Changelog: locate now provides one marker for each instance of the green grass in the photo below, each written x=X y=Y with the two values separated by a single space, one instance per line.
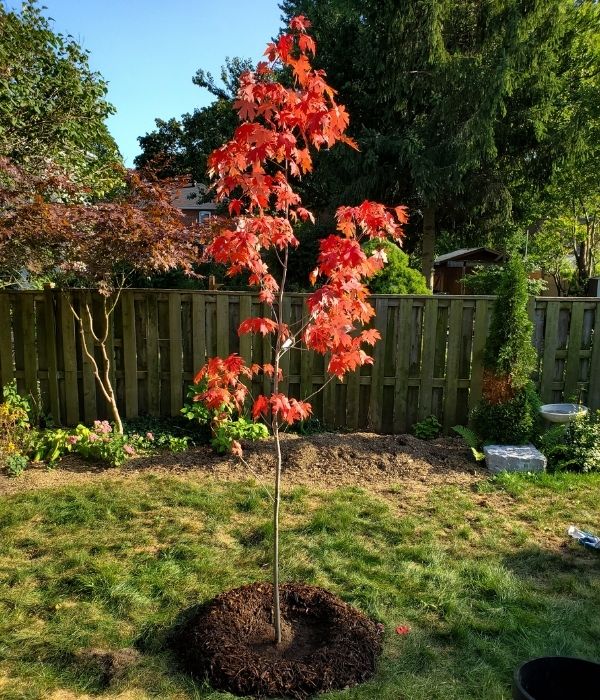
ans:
x=479 y=575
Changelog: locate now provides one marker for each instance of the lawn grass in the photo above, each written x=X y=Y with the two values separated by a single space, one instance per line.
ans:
x=477 y=573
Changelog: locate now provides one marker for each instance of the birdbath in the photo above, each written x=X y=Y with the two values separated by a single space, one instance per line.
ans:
x=563 y=412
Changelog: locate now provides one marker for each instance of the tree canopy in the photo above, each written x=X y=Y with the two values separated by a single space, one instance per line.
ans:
x=457 y=106
x=53 y=107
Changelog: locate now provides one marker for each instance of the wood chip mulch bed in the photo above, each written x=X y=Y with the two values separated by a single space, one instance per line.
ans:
x=326 y=643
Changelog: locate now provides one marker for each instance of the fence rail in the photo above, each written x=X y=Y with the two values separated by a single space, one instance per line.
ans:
x=429 y=360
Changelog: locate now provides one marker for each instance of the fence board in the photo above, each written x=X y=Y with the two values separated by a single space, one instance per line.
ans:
x=29 y=343
x=454 y=347
x=550 y=345
x=51 y=355
x=152 y=356
x=428 y=354
x=129 y=354
x=7 y=371
x=175 y=354
x=67 y=331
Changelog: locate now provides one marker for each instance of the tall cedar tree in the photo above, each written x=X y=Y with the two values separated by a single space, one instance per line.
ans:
x=273 y=146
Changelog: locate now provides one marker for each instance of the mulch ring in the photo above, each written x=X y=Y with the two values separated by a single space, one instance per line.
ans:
x=326 y=643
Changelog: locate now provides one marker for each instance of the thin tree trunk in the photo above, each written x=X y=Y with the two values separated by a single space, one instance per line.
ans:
x=276 y=502
x=102 y=379
x=428 y=245
x=275 y=424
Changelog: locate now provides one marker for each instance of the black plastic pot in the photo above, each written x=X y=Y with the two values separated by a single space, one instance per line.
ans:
x=557 y=678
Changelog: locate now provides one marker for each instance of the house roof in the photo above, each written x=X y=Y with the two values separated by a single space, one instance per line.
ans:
x=191 y=197
x=483 y=254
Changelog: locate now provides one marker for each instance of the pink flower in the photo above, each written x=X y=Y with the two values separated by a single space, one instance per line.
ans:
x=102 y=427
x=149 y=436
x=128 y=449
x=402 y=629
x=73 y=439
x=92 y=437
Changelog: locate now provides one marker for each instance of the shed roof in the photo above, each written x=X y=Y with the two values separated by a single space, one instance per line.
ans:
x=483 y=254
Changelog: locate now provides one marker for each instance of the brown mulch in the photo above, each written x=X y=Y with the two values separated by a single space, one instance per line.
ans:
x=322 y=460
x=326 y=643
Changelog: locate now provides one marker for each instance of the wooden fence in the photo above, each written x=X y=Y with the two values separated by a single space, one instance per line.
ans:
x=429 y=360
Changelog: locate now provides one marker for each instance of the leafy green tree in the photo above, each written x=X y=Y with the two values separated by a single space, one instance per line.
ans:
x=574 y=193
x=52 y=106
x=397 y=277
x=454 y=100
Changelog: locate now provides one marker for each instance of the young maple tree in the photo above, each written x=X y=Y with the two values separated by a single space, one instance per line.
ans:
x=272 y=147
x=48 y=228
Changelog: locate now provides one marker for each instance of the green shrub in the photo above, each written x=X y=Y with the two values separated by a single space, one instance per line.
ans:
x=15 y=464
x=574 y=447
x=427 y=429
x=240 y=429
x=396 y=277
x=472 y=439
x=195 y=410
x=508 y=422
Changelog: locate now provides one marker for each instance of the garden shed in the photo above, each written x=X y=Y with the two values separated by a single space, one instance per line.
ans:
x=450 y=269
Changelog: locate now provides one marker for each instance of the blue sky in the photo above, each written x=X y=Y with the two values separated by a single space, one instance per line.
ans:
x=149 y=50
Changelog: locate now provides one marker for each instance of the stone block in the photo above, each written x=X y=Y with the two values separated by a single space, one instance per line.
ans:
x=514 y=458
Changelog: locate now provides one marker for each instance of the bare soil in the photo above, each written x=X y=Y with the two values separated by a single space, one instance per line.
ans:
x=322 y=460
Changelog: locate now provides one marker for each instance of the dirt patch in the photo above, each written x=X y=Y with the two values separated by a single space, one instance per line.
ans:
x=326 y=643
x=322 y=460
x=110 y=665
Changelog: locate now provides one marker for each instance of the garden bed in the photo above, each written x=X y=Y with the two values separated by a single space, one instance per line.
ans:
x=322 y=459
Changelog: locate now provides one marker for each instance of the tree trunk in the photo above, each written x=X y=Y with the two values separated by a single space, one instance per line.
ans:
x=428 y=245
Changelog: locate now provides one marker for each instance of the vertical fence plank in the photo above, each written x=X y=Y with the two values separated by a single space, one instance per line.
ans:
x=152 y=356
x=428 y=354
x=51 y=355
x=452 y=364
x=7 y=371
x=479 y=336
x=222 y=325
x=129 y=354
x=67 y=331
x=402 y=343
x=246 y=339
x=29 y=343
x=377 y=372
x=199 y=330
x=570 y=389
x=175 y=354
x=593 y=397
x=550 y=345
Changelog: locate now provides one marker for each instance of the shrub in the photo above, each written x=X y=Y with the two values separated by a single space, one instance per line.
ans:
x=396 y=277
x=15 y=464
x=15 y=429
x=235 y=430
x=225 y=428
x=575 y=446
x=427 y=429
x=513 y=421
